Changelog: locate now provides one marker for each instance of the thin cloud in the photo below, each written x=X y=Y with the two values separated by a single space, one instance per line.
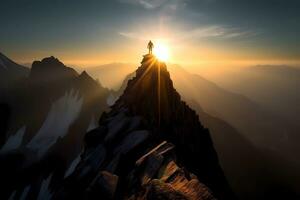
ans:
x=152 y=4
x=197 y=33
x=148 y=4
x=132 y=35
x=216 y=32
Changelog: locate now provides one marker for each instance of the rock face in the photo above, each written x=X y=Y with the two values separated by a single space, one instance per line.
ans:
x=151 y=145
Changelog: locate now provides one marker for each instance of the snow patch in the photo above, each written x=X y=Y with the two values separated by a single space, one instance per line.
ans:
x=111 y=99
x=14 y=141
x=72 y=166
x=2 y=64
x=93 y=124
x=45 y=193
x=61 y=115
x=12 y=196
x=25 y=193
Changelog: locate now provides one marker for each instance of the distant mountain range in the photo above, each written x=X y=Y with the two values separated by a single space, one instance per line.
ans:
x=104 y=73
x=274 y=87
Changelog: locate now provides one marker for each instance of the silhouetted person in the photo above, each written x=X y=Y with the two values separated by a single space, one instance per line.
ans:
x=150 y=46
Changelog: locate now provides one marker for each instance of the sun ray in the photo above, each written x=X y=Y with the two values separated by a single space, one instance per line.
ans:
x=161 y=51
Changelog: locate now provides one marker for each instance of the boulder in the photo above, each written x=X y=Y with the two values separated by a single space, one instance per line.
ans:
x=116 y=128
x=95 y=158
x=113 y=164
x=160 y=149
x=168 y=171
x=135 y=123
x=131 y=141
x=152 y=166
x=158 y=190
x=104 y=186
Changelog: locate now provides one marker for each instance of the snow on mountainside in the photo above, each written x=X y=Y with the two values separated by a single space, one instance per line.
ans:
x=62 y=114
x=10 y=71
x=14 y=141
x=2 y=64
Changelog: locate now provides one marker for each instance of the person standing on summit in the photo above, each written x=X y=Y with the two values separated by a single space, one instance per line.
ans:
x=150 y=46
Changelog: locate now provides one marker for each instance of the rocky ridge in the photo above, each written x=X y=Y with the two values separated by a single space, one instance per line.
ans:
x=151 y=145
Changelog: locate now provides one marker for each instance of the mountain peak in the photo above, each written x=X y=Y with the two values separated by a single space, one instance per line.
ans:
x=48 y=62
x=85 y=75
x=86 y=80
x=151 y=94
x=50 y=68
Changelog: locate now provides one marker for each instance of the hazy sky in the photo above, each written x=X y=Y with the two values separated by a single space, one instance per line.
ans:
x=88 y=32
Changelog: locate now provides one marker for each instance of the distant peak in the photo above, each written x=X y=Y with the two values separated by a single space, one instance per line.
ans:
x=84 y=73
x=86 y=76
x=49 y=61
x=7 y=63
x=151 y=91
x=50 y=68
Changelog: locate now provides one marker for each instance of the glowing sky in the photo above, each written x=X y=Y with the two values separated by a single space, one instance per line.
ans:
x=91 y=32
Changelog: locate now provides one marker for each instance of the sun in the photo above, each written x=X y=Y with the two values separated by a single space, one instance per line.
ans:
x=161 y=51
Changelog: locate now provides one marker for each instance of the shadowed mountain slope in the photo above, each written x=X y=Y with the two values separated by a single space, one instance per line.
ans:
x=250 y=146
x=47 y=115
x=10 y=71
x=148 y=130
x=274 y=87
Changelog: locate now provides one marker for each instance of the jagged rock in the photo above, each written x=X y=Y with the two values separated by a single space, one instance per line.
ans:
x=95 y=136
x=152 y=165
x=102 y=118
x=160 y=149
x=114 y=163
x=114 y=116
x=192 y=189
x=135 y=123
x=169 y=170
x=158 y=190
x=121 y=124
x=91 y=162
x=116 y=127
x=131 y=141
x=104 y=186
x=174 y=184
